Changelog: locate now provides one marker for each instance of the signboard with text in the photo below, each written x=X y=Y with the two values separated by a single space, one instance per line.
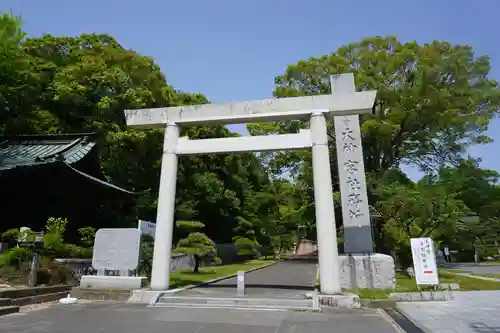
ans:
x=147 y=228
x=424 y=261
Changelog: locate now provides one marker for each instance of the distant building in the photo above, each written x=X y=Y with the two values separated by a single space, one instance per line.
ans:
x=44 y=176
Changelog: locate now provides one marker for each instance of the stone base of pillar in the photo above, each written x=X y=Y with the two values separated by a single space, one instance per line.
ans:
x=343 y=301
x=373 y=270
x=112 y=282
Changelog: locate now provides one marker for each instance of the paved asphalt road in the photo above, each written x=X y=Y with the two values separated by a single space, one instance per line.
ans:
x=286 y=279
x=111 y=317
x=481 y=268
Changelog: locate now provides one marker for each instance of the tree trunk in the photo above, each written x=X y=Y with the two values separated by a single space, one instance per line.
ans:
x=196 y=263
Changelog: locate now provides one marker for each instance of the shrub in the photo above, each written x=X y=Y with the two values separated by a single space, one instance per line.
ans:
x=87 y=236
x=78 y=252
x=15 y=257
x=11 y=236
x=146 y=256
x=54 y=236
x=246 y=248
x=199 y=245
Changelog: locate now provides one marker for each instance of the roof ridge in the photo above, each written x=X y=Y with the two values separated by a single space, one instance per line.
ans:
x=63 y=148
x=47 y=135
x=105 y=183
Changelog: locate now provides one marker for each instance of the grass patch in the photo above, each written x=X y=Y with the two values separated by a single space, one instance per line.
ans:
x=188 y=277
x=368 y=293
x=406 y=283
x=452 y=270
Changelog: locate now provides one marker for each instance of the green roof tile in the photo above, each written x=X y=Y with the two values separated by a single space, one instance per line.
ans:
x=28 y=150
x=32 y=150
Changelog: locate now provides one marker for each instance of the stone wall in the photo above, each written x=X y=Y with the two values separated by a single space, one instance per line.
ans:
x=181 y=261
x=81 y=267
x=227 y=253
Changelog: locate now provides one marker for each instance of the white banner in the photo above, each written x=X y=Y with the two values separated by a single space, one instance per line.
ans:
x=147 y=228
x=424 y=261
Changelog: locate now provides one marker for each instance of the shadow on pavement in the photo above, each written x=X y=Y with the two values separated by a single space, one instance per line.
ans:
x=262 y=286
x=307 y=260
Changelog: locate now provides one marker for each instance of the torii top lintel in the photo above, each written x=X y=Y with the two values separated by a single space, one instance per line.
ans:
x=254 y=111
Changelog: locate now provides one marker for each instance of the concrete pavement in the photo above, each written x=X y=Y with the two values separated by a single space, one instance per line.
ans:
x=469 y=312
x=288 y=279
x=113 y=317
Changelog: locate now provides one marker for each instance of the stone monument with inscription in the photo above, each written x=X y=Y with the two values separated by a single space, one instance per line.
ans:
x=359 y=266
x=115 y=250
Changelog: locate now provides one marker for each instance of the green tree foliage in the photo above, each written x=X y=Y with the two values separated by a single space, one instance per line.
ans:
x=424 y=210
x=196 y=243
x=87 y=236
x=476 y=187
x=246 y=248
x=83 y=84
x=16 y=89
x=436 y=100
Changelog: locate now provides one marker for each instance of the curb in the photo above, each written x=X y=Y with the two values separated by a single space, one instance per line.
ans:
x=413 y=321
x=391 y=321
x=6 y=310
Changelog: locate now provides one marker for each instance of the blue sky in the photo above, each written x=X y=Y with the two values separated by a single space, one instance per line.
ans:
x=232 y=50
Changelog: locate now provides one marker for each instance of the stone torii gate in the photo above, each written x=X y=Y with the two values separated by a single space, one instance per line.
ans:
x=314 y=108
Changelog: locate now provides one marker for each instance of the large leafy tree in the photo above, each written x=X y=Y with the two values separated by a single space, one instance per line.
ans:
x=475 y=186
x=436 y=100
x=16 y=77
x=83 y=84
x=423 y=210
x=478 y=189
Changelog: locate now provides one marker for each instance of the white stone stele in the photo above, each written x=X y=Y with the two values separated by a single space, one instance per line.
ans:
x=115 y=249
x=112 y=282
x=373 y=270
x=306 y=107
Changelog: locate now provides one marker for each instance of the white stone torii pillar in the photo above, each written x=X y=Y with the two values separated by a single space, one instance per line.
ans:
x=312 y=108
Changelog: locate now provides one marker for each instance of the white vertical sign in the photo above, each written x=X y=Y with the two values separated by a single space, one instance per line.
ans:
x=240 y=283
x=355 y=209
x=424 y=261
x=147 y=228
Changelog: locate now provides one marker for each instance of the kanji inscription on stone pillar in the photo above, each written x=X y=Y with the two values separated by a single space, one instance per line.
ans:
x=355 y=209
